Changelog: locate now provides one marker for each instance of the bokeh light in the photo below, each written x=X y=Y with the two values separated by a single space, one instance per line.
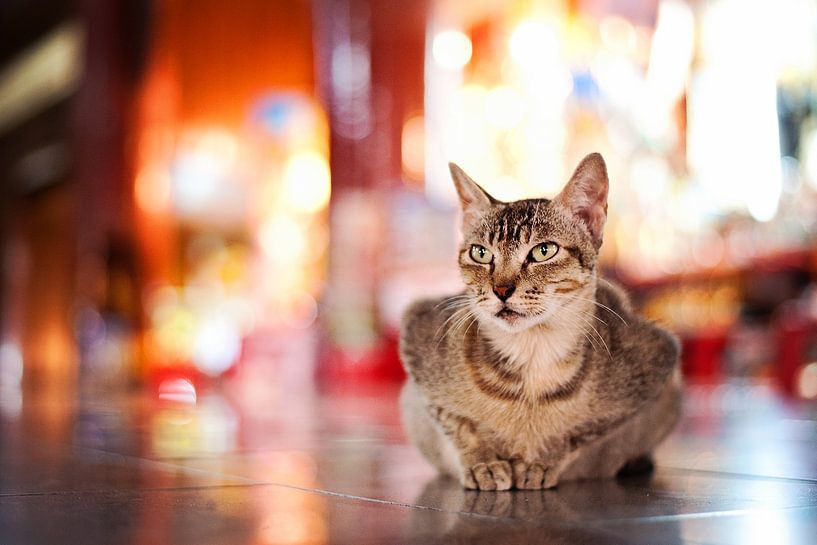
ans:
x=177 y=390
x=451 y=49
x=807 y=381
x=307 y=182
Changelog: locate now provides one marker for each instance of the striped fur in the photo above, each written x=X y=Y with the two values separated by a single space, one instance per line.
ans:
x=559 y=379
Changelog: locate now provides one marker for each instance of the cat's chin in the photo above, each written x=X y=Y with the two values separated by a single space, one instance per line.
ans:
x=511 y=321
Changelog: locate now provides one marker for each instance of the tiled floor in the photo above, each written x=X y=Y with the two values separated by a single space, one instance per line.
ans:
x=334 y=468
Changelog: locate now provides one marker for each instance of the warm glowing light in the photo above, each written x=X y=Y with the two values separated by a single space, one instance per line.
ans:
x=807 y=381
x=152 y=188
x=173 y=332
x=504 y=107
x=218 y=143
x=283 y=240
x=451 y=49
x=534 y=44
x=413 y=146
x=174 y=429
x=178 y=390
x=301 y=311
x=293 y=526
x=43 y=74
x=307 y=182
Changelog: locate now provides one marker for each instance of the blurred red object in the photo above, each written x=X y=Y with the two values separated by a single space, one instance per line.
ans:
x=701 y=355
x=796 y=333
x=378 y=364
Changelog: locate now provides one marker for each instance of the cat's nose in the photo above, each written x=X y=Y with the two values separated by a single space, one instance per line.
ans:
x=504 y=291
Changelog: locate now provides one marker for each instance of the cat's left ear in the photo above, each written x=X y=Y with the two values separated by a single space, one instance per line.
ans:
x=475 y=201
x=585 y=195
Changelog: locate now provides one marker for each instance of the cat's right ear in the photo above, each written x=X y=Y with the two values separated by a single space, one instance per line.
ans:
x=474 y=200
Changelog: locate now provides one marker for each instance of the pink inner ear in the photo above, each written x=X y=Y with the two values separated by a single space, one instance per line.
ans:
x=588 y=201
x=593 y=216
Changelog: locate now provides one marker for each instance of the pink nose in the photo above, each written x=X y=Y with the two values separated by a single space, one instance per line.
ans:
x=504 y=291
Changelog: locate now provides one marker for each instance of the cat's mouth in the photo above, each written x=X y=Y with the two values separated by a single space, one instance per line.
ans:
x=509 y=315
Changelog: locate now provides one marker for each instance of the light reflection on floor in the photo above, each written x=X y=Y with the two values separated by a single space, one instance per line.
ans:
x=334 y=468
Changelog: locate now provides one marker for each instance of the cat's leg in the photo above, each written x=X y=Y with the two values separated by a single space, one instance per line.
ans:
x=426 y=434
x=481 y=467
x=452 y=443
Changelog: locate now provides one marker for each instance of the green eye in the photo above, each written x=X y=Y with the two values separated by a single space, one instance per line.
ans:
x=481 y=254
x=543 y=252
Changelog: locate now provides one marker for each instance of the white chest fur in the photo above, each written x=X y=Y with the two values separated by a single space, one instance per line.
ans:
x=545 y=355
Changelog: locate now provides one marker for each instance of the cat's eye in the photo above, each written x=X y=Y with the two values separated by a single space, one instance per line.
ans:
x=481 y=254
x=544 y=251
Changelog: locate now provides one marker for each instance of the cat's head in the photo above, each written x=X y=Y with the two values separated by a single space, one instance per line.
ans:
x=524 y=261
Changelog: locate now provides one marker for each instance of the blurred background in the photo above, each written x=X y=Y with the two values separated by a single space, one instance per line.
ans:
x=243 y=196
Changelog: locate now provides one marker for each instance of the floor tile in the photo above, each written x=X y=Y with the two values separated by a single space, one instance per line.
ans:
x=71 y=469
x=336 y=468
x=258 y=515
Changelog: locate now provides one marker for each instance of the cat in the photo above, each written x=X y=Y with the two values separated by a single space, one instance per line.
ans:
x=541 y=371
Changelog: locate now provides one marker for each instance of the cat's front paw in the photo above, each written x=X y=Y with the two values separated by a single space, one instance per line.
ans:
x=533 y=476
x=496 y=475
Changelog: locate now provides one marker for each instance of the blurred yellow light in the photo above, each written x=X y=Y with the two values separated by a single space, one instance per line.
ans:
x=293 y=525
x=307 y=182
x=504 y=107
x=471 y=98
x=283 y=240
x=413 y=146
x=451 y=49
x=175 y=430
x=534 y=44
x=174 y=333
x=219 y=143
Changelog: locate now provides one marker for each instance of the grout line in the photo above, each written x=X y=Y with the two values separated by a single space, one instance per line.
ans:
x=701 y=515
x=746 y=476
x=137 y=490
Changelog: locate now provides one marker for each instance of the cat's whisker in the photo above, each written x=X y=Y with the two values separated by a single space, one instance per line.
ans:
x=583 y=318
x=454 y=316
x=591 y=326
x=605 y=307
x=584 y=333
x=474 y=319
x=586 y=314
x=451 y=301
x=455 y=307
x=457 y=319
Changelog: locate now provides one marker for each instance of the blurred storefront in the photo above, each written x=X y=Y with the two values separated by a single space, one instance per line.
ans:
x=251 y=193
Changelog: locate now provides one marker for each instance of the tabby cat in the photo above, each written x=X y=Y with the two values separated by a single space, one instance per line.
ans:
x=540 y=371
